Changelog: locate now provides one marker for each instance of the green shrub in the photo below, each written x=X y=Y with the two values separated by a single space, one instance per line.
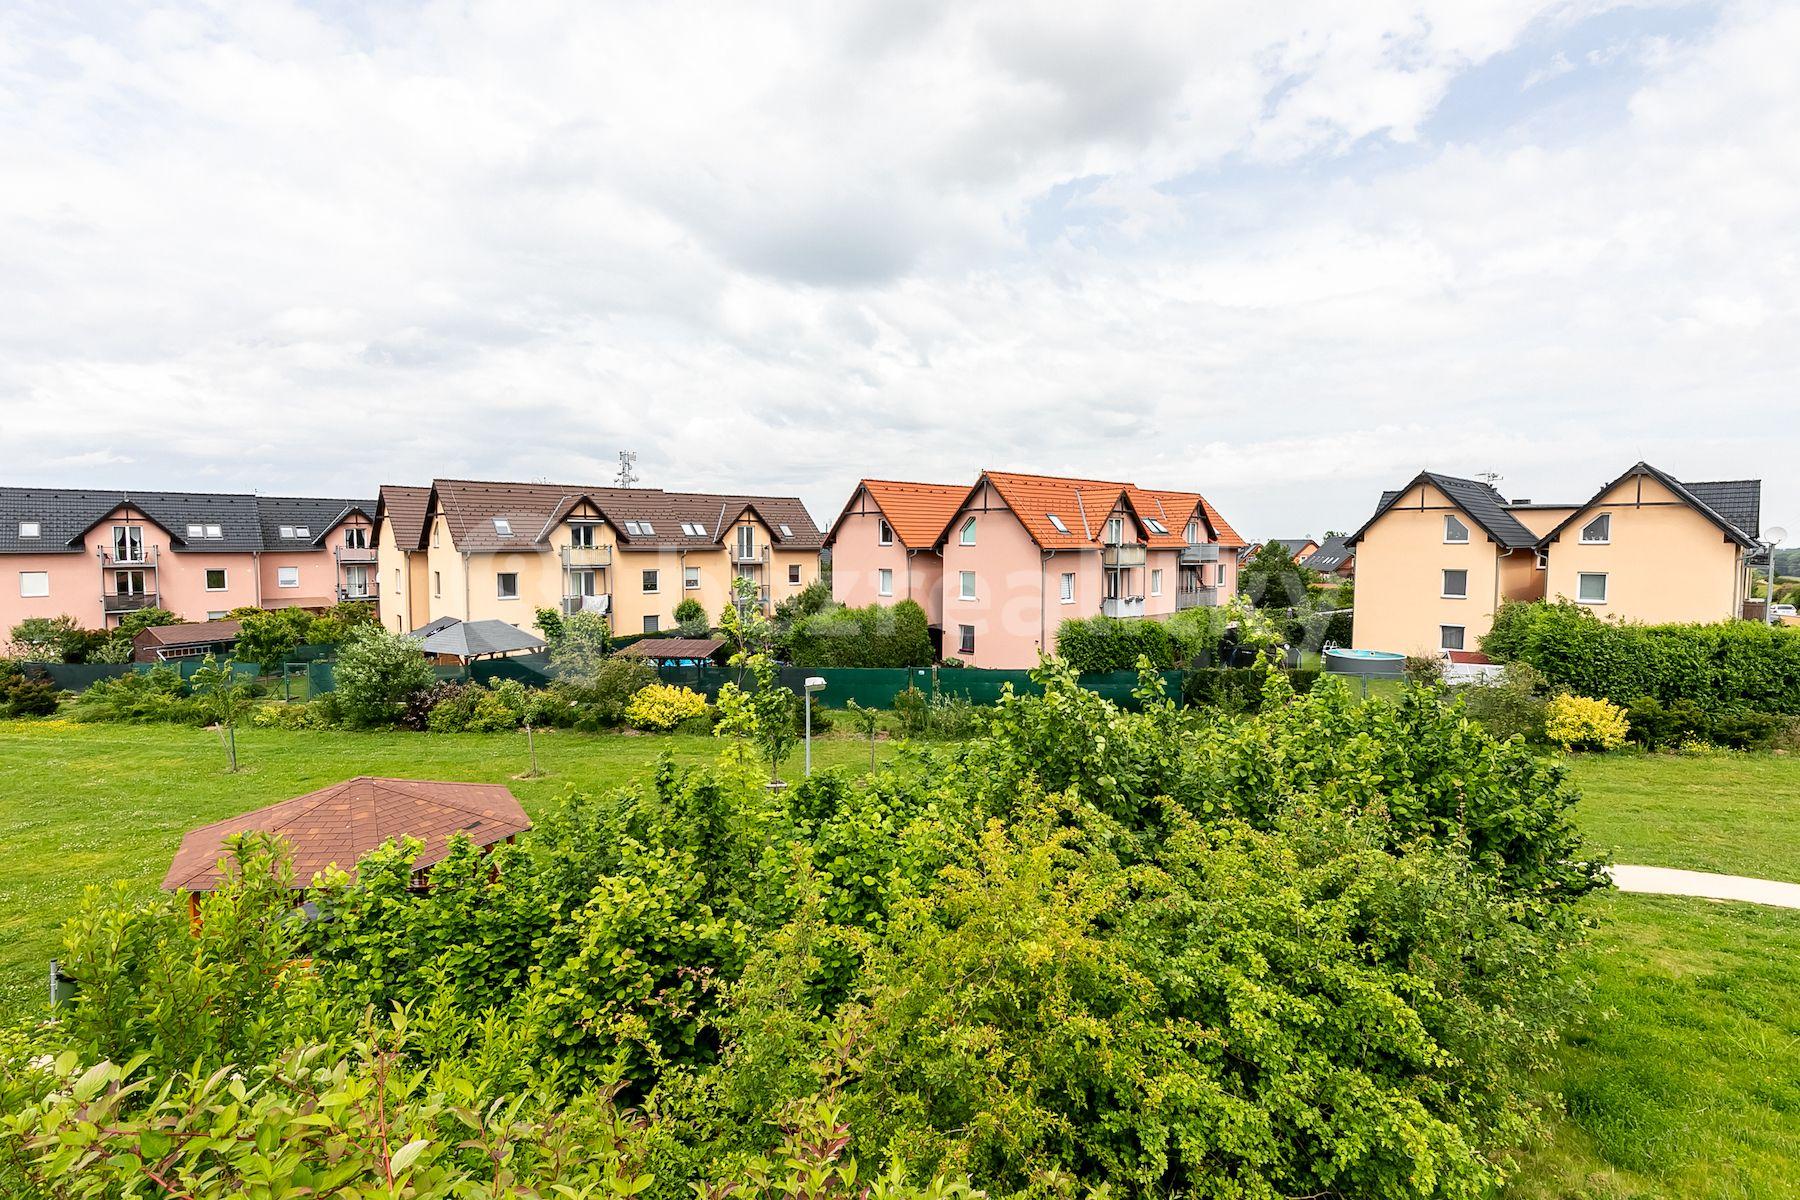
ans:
x=1511 y=706
x=154 y=695
x=1585 y=723
x=1238 y=689
x=376 y=673
x=1657 y=726
x=690 y=618
x=55 y=639
x=878 y=635
x=26 y=692
x=1097 y=645
x=1727 y=666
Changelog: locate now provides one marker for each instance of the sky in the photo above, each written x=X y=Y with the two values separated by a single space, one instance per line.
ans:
x=1288 y=255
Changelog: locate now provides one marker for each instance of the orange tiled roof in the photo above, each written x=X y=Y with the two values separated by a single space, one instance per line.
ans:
x=341 y=823
x=1221 y=529
x=917 y=512
x=1082 y=505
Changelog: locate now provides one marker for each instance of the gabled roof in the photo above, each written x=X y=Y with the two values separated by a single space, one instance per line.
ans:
x=1171 y=510
x=1741 y=497
x=1222 y=531
x=1330 y=555
x=404 y=507
x=188 y=633
x=918 y=513
x=339 y=824
x=1082 y=505
x=1479 y=501
x=247 y=523
x=1295 y=545
x=317 y=516
x=533 y=510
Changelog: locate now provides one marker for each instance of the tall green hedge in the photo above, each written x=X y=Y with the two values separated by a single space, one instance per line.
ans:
x=1732 y=664
x=875 y=636
x=1093 y=645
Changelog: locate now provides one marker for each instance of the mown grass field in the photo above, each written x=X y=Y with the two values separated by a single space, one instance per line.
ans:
x=1684 y=1081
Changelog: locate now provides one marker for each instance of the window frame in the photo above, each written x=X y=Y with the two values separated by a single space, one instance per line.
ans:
x=1452 y=519
x=1599 y=541
x=1057 y=523
x=36 y=529
x=502 y=527
x=1156 y=578
x=283 y=573
x=690 y=579
x=965 y=585
x=500 y=590
x=965 y=536
x=884 y=533
x=965 y=639
x=1605 y=587
x=884 y=581
x=1115 y=531
x=1462 y=637
x=651 y=581
x=224 y=579
x=652 y=622
x=1066 y=589
x=25 y=595
x=1444 y=592
x=794 y=575
x=437 y=585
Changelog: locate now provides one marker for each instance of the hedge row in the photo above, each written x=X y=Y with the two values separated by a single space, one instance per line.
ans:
x=1734 y=664
x=1097 y=645
x=874 y=636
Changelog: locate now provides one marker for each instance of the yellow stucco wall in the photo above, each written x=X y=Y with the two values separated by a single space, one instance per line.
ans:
x=1664 y=561
x=1399 y=577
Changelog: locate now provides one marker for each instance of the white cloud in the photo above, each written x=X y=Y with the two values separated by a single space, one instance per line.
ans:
x=263 y=246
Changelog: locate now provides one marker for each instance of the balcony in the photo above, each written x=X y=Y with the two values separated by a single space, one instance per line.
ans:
x=1195 y=553
x=144 y=561
x=355 y=554
x=1198 y=597
x=1124 y=555
x=368 y=591
x=586 y=556
x=1122 y=606
x=124 y=602
x=598 y=603
x=749 y=556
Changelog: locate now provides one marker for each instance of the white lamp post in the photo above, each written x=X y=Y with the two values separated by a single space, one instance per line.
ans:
x=1771 y=538
x=809 y=689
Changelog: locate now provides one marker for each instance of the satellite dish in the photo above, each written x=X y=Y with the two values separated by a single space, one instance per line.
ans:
x=1775 y=535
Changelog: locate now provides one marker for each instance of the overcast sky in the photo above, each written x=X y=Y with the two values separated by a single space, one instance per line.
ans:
x=1285 y=257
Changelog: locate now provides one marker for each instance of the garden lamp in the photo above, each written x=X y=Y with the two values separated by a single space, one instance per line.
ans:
x=809 y=689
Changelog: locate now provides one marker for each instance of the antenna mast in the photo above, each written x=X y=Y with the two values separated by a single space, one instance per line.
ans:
x=627 y=460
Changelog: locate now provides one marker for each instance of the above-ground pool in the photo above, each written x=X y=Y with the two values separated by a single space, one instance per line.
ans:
x=1365 y=662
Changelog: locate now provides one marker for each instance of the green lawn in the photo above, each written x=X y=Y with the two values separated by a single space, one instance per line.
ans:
x=1736 y=813
x=83 y=804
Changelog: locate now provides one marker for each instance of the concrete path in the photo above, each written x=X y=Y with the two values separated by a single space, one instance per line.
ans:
x=1666 y=881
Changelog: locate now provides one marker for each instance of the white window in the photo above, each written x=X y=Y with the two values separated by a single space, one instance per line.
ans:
x=885 y=584
x=1590 y=587
x=437 y=583
x=884 y=533
x=785 y=531
x=195 y=531
x=506 y=585
x=1456 y=585
x=287 y=531
x=1193 y=532
x=967 y=581
x=690 y=578
x=968 y=532
x=1057 y=522
x=128 y=543
x=647 y=527
x=502 y=527
x=965 y=639
x=693 y=529
x=287 y=577
x=436 y=537
x=1156 y=582
x=651 y=583
x=652 y=624
x=396 y=579
x=1450 y=637
x=302 y=531
x=215 y=579
x=30 y=529
x=216 y=615
x=356 y=537
x=581 y=537
x=746 y=541
x=34 y=583
x=794 y=574
x=1115 y=530
x=1455 y=530
x=1068 y=587
x=1598 y=531
x=1155 y=525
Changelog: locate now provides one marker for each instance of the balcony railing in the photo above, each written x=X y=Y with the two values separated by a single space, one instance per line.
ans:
x=1129 y=555
x=1122 y=606
x=368 y=591
x=1199 y=597
x=355 y=554
x=743 y=557
x=587 y=556
x=145 y=559
x=124 y=602
x=598 y=603
x=1195 y=553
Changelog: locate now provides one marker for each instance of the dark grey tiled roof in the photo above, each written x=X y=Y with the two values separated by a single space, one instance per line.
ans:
x=246 y=523
x=1294 y=545
x=1739 y=501
x=1484 y=505
x=314 y=514
x=467 y=639
x=1330 y=556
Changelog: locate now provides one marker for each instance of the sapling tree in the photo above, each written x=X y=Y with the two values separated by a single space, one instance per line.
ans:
x=225 y=698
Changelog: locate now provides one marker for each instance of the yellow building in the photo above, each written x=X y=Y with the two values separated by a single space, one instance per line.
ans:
x=1442 y=554
x=500 y=551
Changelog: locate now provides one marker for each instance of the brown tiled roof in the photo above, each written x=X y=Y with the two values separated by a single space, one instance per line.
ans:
x=918 y=513
x=534 y=509
x=674 y=647
x=405 y=507
x=340 y=824
x=188 y=633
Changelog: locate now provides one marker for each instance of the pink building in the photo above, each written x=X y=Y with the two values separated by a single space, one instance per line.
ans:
x=97 y=555
x=1015 y=555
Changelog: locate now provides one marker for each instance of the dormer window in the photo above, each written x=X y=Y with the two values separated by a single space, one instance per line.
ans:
x=356 y=537
x=1115 y=530
x=30 y=529
x=1057 y=523
x=967 y=537
x=502 y=527
x=1598 y=532
x=581 y=537
x=884 y=533
x=1193 y=532
x=1455 y=530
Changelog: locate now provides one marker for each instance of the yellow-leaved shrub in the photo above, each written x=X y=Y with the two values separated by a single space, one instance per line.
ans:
x=662 y=707
x=1583 y=723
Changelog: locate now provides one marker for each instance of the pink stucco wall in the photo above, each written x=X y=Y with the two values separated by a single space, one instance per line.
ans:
x=858 y=558
x=321 y=571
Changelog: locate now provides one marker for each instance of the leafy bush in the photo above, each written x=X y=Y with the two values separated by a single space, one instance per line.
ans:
x=579 y=644
x=314 y=715
x=662 y=707
x=597 y=698
x=1095 y=645
x=376 y=673
x=690 y=618
x=268 y=637
x=1657 y=726
x=1512 y=706
x=1238 y=689
x=25 y=693
x=875 y=636
x=55 y=639
x=154 y=695
x=1730 y=665
x=1584 y=723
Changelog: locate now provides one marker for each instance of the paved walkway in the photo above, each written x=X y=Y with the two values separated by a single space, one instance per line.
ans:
x=1666 y=881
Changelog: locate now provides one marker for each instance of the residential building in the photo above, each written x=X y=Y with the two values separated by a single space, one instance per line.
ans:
x=1299 y=548
x=1332 y=557
x=95 y=555
x=401 y=558
x=1441 y=554
x=499 y=551
x=1014 y=555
